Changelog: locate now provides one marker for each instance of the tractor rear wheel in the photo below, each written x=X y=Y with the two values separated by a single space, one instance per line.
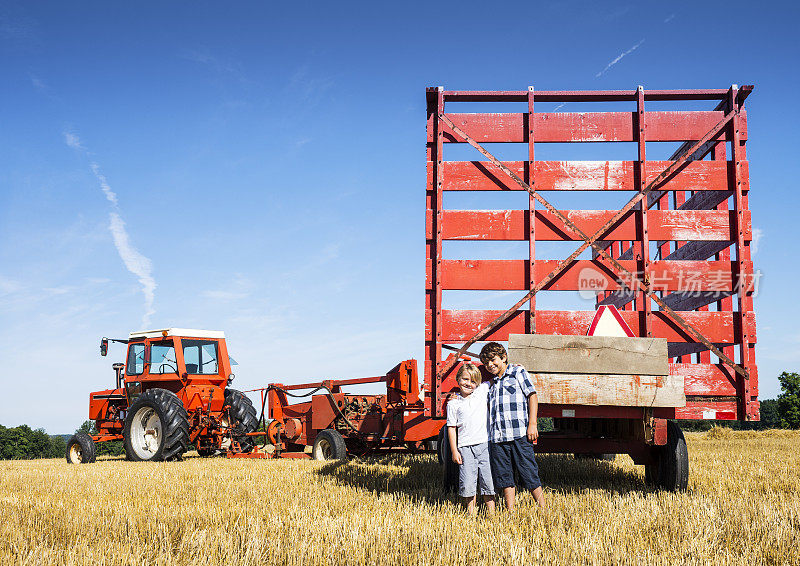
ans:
x=243 y=418
x=81 y=449
x=329 y=445
x=157 y=427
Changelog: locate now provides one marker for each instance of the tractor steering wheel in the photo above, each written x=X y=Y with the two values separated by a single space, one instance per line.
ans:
x=161 y=368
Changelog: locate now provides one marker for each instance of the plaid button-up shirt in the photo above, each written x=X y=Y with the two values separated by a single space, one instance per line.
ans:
x=508 y=404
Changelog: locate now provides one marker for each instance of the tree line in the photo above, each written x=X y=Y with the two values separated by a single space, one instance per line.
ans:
x=24 y=443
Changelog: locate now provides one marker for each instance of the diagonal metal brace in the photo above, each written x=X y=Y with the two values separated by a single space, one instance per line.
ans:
x=592 y=241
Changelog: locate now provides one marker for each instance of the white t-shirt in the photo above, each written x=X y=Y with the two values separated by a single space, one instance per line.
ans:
x=469 y=415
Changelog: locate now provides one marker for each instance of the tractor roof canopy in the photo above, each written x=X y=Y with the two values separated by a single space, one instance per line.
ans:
x=187 y=332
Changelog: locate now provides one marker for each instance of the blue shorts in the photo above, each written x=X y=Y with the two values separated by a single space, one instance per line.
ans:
x=475 y=471
x=514 y=455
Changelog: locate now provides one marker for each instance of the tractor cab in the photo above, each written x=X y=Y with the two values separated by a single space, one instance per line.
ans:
x=177 y=354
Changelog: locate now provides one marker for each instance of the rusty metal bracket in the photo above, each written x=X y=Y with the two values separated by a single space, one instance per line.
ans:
x=592 y=241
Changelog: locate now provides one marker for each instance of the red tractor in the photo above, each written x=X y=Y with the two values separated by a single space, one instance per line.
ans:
x=172 y=391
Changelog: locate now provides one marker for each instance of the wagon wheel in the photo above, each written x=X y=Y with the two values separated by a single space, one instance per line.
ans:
x=329 y=445
x=673 y=462
x=670 y=471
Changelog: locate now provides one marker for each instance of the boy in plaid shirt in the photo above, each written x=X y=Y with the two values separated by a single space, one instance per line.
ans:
x=513 y=406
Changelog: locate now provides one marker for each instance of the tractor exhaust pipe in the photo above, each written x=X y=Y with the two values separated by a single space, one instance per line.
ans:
x=118 y=367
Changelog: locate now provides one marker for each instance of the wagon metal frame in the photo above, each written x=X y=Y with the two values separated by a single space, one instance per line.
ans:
x=695 y=220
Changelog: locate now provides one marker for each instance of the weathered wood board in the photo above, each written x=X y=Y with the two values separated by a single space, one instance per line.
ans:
x=598 y=370
x=590 y=354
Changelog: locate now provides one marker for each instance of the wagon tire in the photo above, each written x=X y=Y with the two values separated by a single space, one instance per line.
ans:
x=156 y=428
x=449 y=468
x=329 y=445
x=243 y=418
x=651 y=474
x=81 y=449
x=673 y=461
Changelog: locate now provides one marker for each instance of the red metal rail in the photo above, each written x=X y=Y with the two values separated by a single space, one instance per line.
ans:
x=664 y=290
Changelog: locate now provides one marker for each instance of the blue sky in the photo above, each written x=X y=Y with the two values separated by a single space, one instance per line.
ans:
x=259 y=169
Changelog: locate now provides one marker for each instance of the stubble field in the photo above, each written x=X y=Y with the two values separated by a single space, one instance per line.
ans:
x=742 y=507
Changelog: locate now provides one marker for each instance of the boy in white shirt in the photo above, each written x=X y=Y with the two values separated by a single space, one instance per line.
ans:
x=469 y=440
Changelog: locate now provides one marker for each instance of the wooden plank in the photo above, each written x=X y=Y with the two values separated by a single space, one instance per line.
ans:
x=585 y=126
x=542 y=353
x=609 y=389
x=677 y=349
x=705 y=379
x=697 y=225
x=706 y=200
x=690 y=251
x=691 y=300
x=719 y=410
x=587 y=176
x=590 y=95
x=512 y=275
x=461 y=325
x=697 y=251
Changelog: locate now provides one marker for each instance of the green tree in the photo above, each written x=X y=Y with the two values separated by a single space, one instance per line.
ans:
x=58 y=447
x=789 y=400
x=87 y=428
x=770 y=416
x=23 y=443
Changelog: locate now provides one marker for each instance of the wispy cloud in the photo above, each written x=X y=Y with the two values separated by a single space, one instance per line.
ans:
x=616 y=14
x=239 y=288
x=38 y=83
x=110 y=195
x=73 y=141
x=134 y=261
x=669 y=18
x=217 y=64
x=223 y=295
x=618 y=58
x=17 y=30
x=8 y=286
x=308 y=88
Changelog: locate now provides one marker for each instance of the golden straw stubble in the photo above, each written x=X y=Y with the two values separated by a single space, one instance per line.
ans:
x=742 y=507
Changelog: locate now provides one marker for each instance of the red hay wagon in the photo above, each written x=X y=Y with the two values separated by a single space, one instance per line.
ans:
x=674 y=259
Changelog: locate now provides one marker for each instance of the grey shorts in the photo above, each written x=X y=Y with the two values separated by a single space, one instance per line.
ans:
x=475 y=471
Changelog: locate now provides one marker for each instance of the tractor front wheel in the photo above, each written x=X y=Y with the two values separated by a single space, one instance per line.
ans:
x=81 y=449
x=157 y=427
x=242 y=416
x=329 y=445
